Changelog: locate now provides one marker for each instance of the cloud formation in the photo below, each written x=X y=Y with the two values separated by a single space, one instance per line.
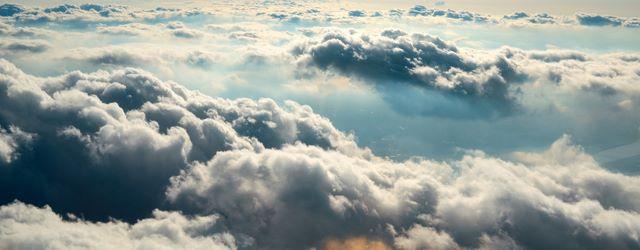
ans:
x=244 y=173
x=118 y=158
x=395 y=58
x=90 y=15
x=11 y=141
x=28 y=227
x=129 y=131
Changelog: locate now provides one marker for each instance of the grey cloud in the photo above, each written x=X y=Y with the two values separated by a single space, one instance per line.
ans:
x=304 y=193
x=314 y=195
x=517 y=15
x=11 y=140
x=187 y=33
x=7 y=10
x=126 y=132
x=114 y=56
x=28 y=227
x=558 y=55
x=357 y=13
x=422 y=61
x=598 y=20
x=20 y=46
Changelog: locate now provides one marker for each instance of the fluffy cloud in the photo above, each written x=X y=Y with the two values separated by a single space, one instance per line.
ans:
x=559 y=197
x=28 y=227
x=394 y=57
x=277 y=176
x=127 y=132
x=10 y=141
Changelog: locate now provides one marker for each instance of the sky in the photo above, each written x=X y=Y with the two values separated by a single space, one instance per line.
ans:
x=319 y=124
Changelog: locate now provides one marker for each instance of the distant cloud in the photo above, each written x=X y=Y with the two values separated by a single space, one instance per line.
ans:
x=598 y=20
x=357 y=13
x=8 y=47
x=29 y=227
x=418 y=60
x=7 y=10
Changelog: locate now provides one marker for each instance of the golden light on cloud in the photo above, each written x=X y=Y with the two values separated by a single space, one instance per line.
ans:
x=355 y=243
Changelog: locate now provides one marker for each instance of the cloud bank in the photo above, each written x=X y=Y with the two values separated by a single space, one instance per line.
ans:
x=254 y=174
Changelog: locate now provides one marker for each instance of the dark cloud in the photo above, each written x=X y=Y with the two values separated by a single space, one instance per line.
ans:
x=357 y=13
x=598 y=20
x=126 y=133
x=422 y=61
x=12 y=140
x=8 y=10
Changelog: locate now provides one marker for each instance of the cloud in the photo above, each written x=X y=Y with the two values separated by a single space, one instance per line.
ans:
x=396 y=58
x=132 y=29
x=28 y=227
x=598 y=20
x=420 y=10
x=10 y=142
x=90 y=15
x=127 y=132
x=7 y=10
x=120 y=144
x=10 y=30
x=517 y=15
x=310 y=195
x=10 y=47
x=357 y=13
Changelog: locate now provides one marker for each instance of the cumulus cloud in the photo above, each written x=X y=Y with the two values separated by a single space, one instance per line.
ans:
x=394 y=58
x=249 y=173
x=128 y=132
x=422 y=75
x=29 y=227
x=10 y=141
x=275 y=176
x=479 y=201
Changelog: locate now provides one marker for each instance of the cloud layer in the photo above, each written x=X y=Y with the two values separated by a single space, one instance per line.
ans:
x=274 y=177
x=98 y=149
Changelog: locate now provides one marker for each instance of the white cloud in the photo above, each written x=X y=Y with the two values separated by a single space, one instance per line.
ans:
x=28 y=227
